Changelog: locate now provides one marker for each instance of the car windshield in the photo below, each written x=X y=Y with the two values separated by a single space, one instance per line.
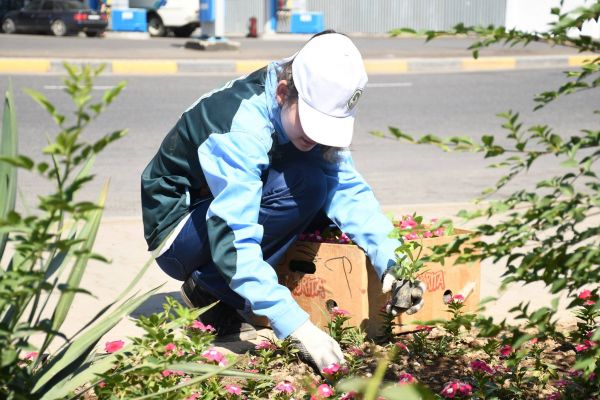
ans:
x=72 y=5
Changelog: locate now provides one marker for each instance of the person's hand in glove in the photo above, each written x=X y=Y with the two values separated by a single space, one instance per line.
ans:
x=406 y=296
x=316 y=347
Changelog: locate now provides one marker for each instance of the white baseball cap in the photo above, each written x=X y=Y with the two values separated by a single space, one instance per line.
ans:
x=330 y=77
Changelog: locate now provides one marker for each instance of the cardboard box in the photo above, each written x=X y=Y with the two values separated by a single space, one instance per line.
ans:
x=323 y=275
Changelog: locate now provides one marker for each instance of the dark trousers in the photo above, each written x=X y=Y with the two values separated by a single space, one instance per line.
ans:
x=292 y=197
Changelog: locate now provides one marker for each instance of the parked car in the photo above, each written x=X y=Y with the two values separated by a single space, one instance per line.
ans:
x=179 y=16
x=59 y=17
x=10 y=5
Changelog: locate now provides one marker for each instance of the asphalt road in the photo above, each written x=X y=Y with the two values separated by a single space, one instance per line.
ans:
x=116 y=46
x=443 y=104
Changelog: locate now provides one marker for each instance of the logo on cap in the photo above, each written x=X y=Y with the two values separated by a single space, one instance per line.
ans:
x=354 y=99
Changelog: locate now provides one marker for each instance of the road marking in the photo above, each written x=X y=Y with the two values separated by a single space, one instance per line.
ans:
x=61 y=87
x=389 y=84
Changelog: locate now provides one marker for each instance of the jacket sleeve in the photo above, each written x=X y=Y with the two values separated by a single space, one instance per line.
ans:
x=352 y=206
x=232 y=164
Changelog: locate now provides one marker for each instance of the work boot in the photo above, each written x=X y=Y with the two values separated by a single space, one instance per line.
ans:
x=228 y=323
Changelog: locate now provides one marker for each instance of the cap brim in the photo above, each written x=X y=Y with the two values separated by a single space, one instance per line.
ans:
x=325 y=129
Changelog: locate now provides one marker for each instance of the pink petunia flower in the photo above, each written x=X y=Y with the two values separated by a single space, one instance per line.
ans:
x=214 y=355
x=101 y=384
x=111 y=347
x=427 y=234
x=338 y=312
x=402 y=346
x=589 y=303
x=233 y=389
x=170 y=347
x=439 y=232
x=356 y=351
x=534 y=340
x=325 y=390
x=201 y=327
x=408 y=222
x=424 y=328
x=348 y=396
x=285 y=387
x=31 y=355
x=456 y=388
x=405 y=378
x=506 y=350
x=265 y=345
x=411 y=236
x=169 y=372
x=585 y=294
x=481 y=366
x=331 y=369
x=459 y=298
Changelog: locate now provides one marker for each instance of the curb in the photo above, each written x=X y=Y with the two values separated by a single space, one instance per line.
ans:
x=373 y=66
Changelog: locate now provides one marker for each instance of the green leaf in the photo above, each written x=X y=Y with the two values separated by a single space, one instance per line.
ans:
x=64 y=360
x=88 y=234
x=570 y=163
x=8 y=172
x=18 y=161
x=46 y=104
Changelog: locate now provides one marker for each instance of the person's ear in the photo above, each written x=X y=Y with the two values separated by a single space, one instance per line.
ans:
x=282 y=92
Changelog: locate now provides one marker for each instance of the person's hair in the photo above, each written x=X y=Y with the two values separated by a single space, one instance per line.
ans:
x=330 y=153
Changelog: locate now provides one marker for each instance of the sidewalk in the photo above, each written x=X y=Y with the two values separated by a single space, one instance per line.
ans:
x=121 y=240
x=168 y=56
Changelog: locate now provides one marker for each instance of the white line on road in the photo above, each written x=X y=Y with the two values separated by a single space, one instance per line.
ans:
x=61 y=87
x=389 y=84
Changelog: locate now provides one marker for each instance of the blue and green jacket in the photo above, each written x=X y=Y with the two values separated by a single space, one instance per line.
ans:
x=220 y=148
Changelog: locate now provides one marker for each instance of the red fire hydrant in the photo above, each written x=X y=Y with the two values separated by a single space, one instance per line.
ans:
x=252 y=28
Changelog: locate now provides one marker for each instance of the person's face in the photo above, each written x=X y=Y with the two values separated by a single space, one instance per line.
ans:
x=290 y=119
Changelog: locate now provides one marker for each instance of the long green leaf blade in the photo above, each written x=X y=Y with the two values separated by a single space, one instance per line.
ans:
x=64 y=360
x=8 y=173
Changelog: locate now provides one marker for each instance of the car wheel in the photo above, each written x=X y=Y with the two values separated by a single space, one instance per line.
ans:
x=58 y=28
x=156 y=26
x=8 y=26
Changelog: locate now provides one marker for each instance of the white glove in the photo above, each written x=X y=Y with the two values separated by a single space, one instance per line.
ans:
x=406 y=297
x=316 y=347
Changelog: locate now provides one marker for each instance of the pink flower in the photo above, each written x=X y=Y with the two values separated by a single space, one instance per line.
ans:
x=585 y=294
x=356 y=351
x=348 y=396
x=427 y=234
x=402 y=346
x=265 y=345
x=459 y=298
x=214 y=355
x=481 y=366
x=506 y=350
x=331 y=369
x=424 y=328
x=561 y=383
x=408 y=222
x=411 y=236
x=439 y=232
x=233 y=389
x=553 y=396
x=325 y=390
x=31 y=355
x=200 y=326
x=405 y=378
x=170 y=347
x=338 y=312
x=101 y=384
x=285 y=387
x=534 y=340
x=169 y=372
x=587 y=344
x=111 y=347
x=589 y=303
x=452 y=389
